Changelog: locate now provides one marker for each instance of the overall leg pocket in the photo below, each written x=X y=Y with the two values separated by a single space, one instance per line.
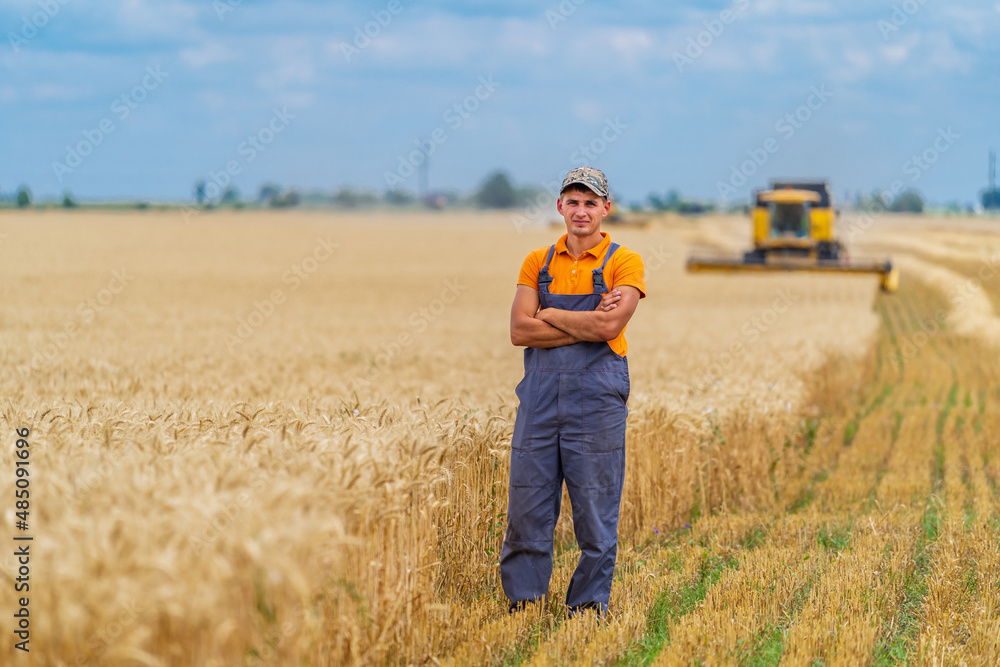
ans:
x=618 y=382
x=525 y=407
x=604 y=413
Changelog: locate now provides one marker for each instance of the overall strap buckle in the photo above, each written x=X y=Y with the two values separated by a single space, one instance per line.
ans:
x=544 y=277
x=599 y=286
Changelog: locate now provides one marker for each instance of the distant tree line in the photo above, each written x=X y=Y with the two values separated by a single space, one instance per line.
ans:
x=673 y=201
x=496 y=191
x=907 y=201
x=21 y=197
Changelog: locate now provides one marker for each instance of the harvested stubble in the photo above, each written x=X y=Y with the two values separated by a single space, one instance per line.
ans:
x=331 y=487
x=643 y=577
x=745 y=600
x=856 y=596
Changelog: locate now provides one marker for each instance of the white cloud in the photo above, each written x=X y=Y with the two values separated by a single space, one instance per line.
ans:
x=900 y=50
x=447 y=41
x=741 y=56
x=588 y=111
x=525 y=37
x=770 y=38
x=942 y=55
x=795 y=7
x=860 y=61
x=54 y=92
x=978 y=25
x=296 y=100
x=163 y=18
x=212 y=99
x=437 y=40
x=210 y=53
x=291 y=63
x=25 y=7
x=632 y=44
x=840 y=52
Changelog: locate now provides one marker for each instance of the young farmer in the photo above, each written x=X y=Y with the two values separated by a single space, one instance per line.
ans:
x=572 y=304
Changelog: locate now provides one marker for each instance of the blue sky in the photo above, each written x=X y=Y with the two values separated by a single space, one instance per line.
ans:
x=661 y=95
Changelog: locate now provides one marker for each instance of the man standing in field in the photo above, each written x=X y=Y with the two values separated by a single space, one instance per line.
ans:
x=572 y=304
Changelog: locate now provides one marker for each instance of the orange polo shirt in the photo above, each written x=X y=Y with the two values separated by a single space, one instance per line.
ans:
x=573 y=276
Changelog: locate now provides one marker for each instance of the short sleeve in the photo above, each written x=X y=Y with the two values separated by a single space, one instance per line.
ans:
x=529 y=270
x=629 y=270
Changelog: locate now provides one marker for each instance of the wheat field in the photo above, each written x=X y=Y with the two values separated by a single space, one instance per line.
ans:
x=283 y=438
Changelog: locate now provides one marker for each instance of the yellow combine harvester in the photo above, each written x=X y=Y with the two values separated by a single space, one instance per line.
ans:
x=793 y=231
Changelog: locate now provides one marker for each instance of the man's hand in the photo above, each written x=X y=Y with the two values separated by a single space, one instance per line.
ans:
x=599 y=325
x=609 y=301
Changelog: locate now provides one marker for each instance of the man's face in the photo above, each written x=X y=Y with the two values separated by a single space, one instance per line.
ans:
x=583 y=211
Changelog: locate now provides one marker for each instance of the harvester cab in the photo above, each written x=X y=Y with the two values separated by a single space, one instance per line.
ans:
x=793 y=220
x=793 y=230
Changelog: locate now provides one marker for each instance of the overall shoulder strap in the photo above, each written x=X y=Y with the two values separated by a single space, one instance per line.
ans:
x=599 y=286
x=544 y=279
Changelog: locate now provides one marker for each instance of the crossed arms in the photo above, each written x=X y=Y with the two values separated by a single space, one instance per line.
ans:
x=553 y=327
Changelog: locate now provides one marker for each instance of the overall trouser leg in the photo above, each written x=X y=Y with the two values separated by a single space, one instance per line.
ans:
x=593 y=458
x=595 y=522
x=536 y=481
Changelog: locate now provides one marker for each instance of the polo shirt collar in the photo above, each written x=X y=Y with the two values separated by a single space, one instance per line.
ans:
x=596 y=252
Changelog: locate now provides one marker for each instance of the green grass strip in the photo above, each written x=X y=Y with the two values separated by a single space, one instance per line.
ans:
x=894 y=648
x=672 y=603
x=768 y=646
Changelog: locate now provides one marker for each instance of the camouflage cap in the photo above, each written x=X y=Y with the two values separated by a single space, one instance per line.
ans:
x=591 y=178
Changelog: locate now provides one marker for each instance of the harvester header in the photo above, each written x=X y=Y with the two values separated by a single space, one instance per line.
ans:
x=793 y=230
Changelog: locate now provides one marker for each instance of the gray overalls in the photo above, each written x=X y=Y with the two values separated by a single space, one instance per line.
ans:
x=570 y=425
